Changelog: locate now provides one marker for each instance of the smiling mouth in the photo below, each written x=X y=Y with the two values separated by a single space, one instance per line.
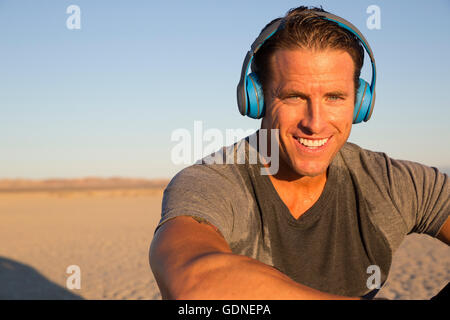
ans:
x=312 y=143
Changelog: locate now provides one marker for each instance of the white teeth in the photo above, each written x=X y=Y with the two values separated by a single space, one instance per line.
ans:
x=312 y=143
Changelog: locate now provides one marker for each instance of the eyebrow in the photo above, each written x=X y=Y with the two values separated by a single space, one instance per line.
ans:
x=287 y=93
x=336 y=93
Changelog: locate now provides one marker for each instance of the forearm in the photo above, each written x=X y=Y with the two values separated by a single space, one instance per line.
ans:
x=229 y=276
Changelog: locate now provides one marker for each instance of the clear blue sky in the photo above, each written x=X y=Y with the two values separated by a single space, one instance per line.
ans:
x=104 y=100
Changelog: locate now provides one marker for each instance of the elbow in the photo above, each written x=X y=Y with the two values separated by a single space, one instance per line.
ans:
x=159 y=274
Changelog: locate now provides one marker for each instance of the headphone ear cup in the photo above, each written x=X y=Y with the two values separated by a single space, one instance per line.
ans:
x=363 y=101
x=255 y=97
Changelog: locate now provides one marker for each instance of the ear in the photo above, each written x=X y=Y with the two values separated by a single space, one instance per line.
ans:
x=255 y=96
x=362 y=103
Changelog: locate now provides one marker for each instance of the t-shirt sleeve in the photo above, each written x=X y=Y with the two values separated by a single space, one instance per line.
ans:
x=421 y=194
x=199 y=191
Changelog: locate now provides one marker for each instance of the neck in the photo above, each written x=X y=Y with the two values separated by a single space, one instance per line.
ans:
x=300 y=193
x=288 y=179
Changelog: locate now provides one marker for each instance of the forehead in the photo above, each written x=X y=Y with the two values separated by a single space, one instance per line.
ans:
x=312 y=67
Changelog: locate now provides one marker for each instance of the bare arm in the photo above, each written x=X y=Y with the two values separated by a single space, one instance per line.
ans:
x=191 y=260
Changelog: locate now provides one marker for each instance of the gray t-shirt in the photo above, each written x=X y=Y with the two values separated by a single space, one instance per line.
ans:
x=370 y=202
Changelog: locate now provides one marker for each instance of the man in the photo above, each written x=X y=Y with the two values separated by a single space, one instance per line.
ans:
x=312 y=229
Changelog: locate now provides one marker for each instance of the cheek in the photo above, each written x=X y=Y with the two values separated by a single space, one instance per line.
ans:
x=283 y=116
x=342 y=117
x=273 y=118
x=286 y=119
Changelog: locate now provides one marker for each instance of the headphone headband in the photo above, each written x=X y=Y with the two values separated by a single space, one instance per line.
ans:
x=277 y=25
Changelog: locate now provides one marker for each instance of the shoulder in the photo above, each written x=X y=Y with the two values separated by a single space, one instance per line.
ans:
x=228 y=168
x=210 y=186
x=208 y=177
x=355 y=154
x=381 y=165
x=391 y=177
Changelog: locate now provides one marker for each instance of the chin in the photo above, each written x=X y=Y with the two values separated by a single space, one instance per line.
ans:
x=307 y=169
x=310 y=166
x=310 y=172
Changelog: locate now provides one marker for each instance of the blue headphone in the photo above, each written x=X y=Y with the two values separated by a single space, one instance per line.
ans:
x=250 y=95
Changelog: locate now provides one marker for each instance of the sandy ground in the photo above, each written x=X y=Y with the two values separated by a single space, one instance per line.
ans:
x=108 y=233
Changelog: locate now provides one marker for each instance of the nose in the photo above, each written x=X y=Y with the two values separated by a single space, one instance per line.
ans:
x=314 y=117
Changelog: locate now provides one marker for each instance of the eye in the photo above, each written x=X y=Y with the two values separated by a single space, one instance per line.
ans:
x=334 y=98
x=294 y=98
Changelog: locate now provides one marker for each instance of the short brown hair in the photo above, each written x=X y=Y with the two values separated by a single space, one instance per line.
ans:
x=303 y=29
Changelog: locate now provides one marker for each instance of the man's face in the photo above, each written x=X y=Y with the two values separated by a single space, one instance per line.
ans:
x=310 y=99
